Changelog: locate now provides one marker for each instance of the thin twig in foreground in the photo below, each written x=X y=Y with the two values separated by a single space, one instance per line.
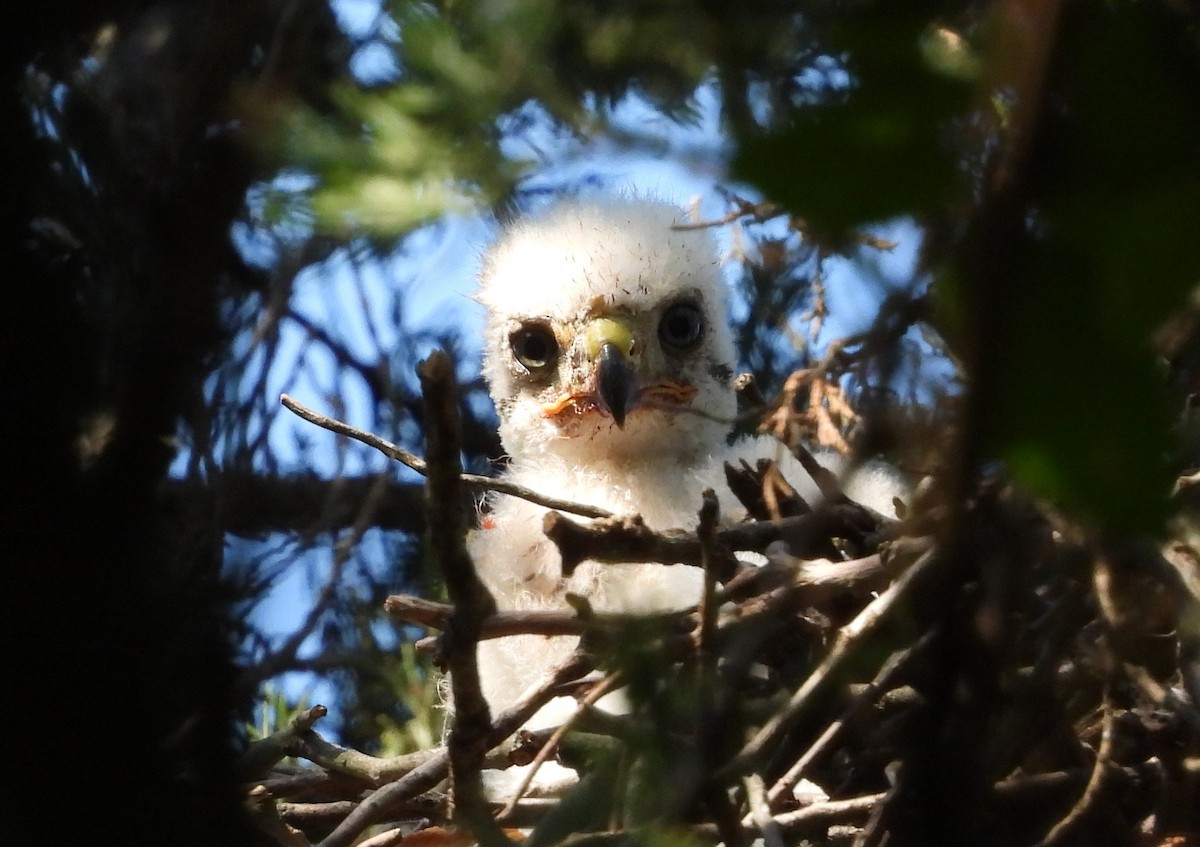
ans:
x=597 y=691
x=475 y=482
x=883 y=681
x=1088 y=802
x=378 y=805
x=867 y=621
x=468 y=742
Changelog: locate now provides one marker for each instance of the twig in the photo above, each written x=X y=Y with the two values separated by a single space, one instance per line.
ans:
x=387 y=838
x=473 y=603
x=428 y=613
x=265 y=815
x=875 y=831
x=816 y=816
x=714 y=568
x=318 y=814
x=475 y=482
x=597 y=691
x=378 y=805
x=760 y=812
x=758 y=212
x=504 y=623
x=1162 y=696
x=349 y=762
x=266 y=752
x=1011 y=794
x=883 y=681
x=854 y=633
x=628 y=539
x=1092 y=792
x=803 y=582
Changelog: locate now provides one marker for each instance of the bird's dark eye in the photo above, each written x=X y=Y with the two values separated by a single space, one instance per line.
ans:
x=534 y=346
x=681 y=326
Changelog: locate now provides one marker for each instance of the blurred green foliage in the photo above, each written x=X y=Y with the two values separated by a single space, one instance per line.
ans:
x=415 y=681
x=1103 y=253
x=878 y=148
x=273 y=712
x=1097 y=249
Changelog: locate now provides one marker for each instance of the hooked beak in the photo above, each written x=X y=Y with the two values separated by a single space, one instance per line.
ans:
x=609 y=344
x=615 y=383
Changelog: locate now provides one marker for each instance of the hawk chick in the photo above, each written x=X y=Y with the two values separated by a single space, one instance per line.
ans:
x=610 y=358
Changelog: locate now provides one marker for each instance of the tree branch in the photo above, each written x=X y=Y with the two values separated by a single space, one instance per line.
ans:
x=473 y=481
x=473 y=603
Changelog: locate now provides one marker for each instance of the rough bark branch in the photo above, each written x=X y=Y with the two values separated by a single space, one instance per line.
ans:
x=468 y=742
x=629 y=539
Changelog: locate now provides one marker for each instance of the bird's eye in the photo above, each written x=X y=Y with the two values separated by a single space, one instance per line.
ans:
x=681 y=326
x=534 y=346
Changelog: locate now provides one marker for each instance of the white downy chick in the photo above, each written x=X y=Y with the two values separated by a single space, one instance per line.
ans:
x=610 y=358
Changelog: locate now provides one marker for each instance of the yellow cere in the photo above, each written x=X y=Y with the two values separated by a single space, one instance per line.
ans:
x=603 y=331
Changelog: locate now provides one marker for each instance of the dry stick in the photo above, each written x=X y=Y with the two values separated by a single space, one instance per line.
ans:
x=850 y=636
x=706 y=531
x=1160 y=695
x=263 y=754
x=299 y=739
x=760 y=812
x=434 y=615
x=1013 y=792
x=302 y=815
x=264 y=814
x=597 y=691
x=628 y=539
x=1102 y=584
x=818 y=815
x=307 y=816
x=709 y=701
x=473 y=603
x=892 y=668
x=1061 y=832
x=473 y=481
x=811 y=579
x=377 y=806
x=876 y=830
x=387 y=838
x=349 y=762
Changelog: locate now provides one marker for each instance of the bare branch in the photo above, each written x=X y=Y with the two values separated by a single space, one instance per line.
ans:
x=628 y=539
x=473 y=603
x=266 y=752
x=382 y=802
x=851 y=636
x=473 y=481
x=896 y=664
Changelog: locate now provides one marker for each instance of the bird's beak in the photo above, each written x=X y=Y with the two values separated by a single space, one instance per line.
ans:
x=609 y=345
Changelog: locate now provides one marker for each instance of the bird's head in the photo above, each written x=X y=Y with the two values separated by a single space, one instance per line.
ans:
x=607 y=335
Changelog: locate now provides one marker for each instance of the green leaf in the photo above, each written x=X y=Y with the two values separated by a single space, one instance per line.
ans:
x=880 y=148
